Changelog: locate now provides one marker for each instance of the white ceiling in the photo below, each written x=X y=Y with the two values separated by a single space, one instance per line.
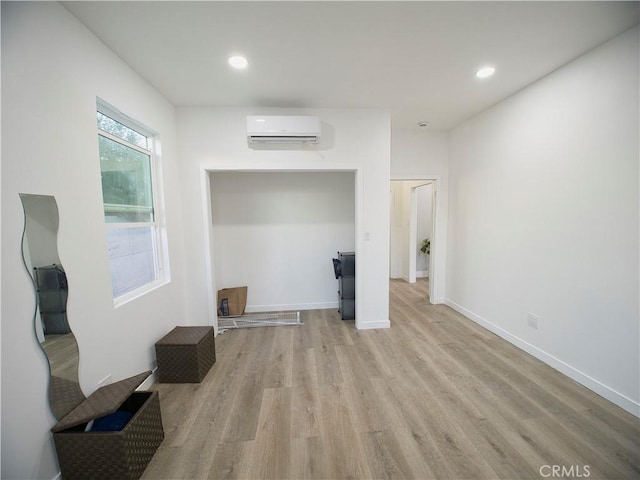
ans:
x=415 y=58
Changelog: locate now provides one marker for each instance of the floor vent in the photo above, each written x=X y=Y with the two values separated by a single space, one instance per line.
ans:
x=250 y=320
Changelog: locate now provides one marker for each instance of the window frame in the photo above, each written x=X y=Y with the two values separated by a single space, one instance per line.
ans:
x=158 y=228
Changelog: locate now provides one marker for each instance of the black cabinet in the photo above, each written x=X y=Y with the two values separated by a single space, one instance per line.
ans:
x=345 y=270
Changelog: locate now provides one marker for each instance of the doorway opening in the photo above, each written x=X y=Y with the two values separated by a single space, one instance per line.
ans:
x=412 y=223
x=276 y=231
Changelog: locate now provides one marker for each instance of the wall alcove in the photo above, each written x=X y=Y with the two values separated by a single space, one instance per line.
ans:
x=276 y=232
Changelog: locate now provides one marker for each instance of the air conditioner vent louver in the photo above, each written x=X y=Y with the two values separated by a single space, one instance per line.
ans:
x=283 y=129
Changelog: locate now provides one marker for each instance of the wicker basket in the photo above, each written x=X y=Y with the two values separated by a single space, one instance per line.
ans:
x=185 y=354
x=111 y=455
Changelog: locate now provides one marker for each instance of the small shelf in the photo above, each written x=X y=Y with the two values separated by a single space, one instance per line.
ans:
x=347 y=285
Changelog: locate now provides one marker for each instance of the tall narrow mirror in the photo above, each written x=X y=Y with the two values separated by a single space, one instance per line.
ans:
x=40 y=257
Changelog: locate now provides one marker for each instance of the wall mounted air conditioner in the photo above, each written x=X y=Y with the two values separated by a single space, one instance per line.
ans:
x=282 y=129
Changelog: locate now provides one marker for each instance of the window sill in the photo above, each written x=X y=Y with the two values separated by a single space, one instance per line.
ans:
x=138 y=292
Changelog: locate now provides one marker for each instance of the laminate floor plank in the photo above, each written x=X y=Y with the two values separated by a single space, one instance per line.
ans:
x=228 y=461
x=341 y=441
x=386 y=455
x=373 y=362
x=308 y=459
x=306 y=416
x=177 y=405
x=244 y=409
x=271 y=451
x=327 y=366
x=369 y=414
x=168 y=463
x=279 y=369
x=303 y=369
x=628 y=433
x=512 y=398
x=436 y=396
x=205 y=407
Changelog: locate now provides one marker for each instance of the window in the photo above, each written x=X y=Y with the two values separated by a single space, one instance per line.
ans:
x=129 y=194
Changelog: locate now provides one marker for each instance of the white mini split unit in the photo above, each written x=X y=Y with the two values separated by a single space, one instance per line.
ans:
x=274 y=129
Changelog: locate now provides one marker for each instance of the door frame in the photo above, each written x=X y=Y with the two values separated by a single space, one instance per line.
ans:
x=413 y=231
x=207 y=220
x=435 y=266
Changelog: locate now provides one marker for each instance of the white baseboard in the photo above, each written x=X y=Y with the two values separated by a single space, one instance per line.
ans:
x=150 y=380
x=373 y=325
x=315 y=306
x=591 y=383
x=290 y=307
x=419 y=274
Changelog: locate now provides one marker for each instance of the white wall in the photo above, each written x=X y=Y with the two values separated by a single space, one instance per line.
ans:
x=276 y=232
x=41 y=231
x=398 y=233
x=416 y=154
x=544 y=219
x=52 y=71
x=353 y=140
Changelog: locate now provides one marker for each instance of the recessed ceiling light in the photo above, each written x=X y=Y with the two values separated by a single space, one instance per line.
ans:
x=485 y=72
x=238 y=62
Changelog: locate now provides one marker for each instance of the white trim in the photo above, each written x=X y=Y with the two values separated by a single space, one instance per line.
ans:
x=373 y=325
x=127 y=143
x=413 y=233
x=359 y=246
x=438 y=268
x=291 y=307
x=207 y=215
x=138 y=292
x=113 y=112
x=206 y=170
x=119 y=208
x=413 y=176
x=591 y=383
x=149 y=381
x=158 y=225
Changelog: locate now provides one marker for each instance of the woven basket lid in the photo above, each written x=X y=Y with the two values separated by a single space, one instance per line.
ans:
x=102 y=402
x=185 y=336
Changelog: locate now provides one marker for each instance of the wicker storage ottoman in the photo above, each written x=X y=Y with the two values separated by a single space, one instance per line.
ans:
x=185 y=354
x=122 y=454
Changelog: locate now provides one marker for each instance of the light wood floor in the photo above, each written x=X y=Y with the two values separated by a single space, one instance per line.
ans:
x=434 y=396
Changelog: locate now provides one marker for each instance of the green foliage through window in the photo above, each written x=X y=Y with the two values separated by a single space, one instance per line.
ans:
x=126 y=182
x=133 y=234
x=117 y=129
